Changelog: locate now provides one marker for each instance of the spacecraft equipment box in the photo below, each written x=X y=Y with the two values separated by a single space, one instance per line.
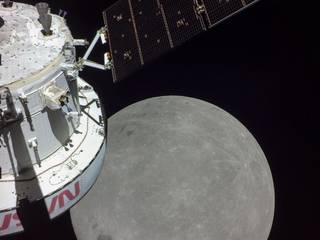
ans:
x=52 y=134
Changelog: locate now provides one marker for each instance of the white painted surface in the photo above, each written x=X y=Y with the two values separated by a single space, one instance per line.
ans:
x=65 y=177
x=60 y=201
x=68 y=146
x=25 y=51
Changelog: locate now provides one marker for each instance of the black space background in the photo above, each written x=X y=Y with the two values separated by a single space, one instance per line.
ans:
x=262 y=67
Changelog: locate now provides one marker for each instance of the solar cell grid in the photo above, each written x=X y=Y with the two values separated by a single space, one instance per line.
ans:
x=139 y=31
x=183 y=22
x=122 y=40
x=151 y=30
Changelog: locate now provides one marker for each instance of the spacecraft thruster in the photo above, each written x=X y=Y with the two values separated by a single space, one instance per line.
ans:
x=52 y=129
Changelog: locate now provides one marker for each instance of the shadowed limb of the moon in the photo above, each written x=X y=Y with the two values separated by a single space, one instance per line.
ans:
x=178 y=168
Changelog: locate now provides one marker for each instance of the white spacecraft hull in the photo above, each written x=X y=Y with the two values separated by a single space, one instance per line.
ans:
x=69 y=174
x=52 y=133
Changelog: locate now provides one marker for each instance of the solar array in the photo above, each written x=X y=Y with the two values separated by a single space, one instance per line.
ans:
x=139 y=31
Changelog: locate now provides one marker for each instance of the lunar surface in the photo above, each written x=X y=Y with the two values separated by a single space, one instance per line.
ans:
x=178 y=168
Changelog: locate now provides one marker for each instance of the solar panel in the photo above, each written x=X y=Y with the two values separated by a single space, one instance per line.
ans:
x=182 y=20
x=152 y=33
x=141 y=30
x=123 y=43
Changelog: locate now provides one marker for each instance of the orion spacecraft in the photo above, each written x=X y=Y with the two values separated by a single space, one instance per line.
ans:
x=52 y=128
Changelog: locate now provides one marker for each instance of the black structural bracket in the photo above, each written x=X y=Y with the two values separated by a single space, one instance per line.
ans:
x=1 y=22
x=7 y=3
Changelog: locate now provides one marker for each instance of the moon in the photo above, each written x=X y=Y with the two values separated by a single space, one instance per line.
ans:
x=178 y=168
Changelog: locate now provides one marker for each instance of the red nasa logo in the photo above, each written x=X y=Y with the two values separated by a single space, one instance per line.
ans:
x=10 y=222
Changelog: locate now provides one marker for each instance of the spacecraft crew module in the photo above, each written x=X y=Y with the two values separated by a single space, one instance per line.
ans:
x=52 y=134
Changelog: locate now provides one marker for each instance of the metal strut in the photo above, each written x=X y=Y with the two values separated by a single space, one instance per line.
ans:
x=101 y=33
x=84 y=107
